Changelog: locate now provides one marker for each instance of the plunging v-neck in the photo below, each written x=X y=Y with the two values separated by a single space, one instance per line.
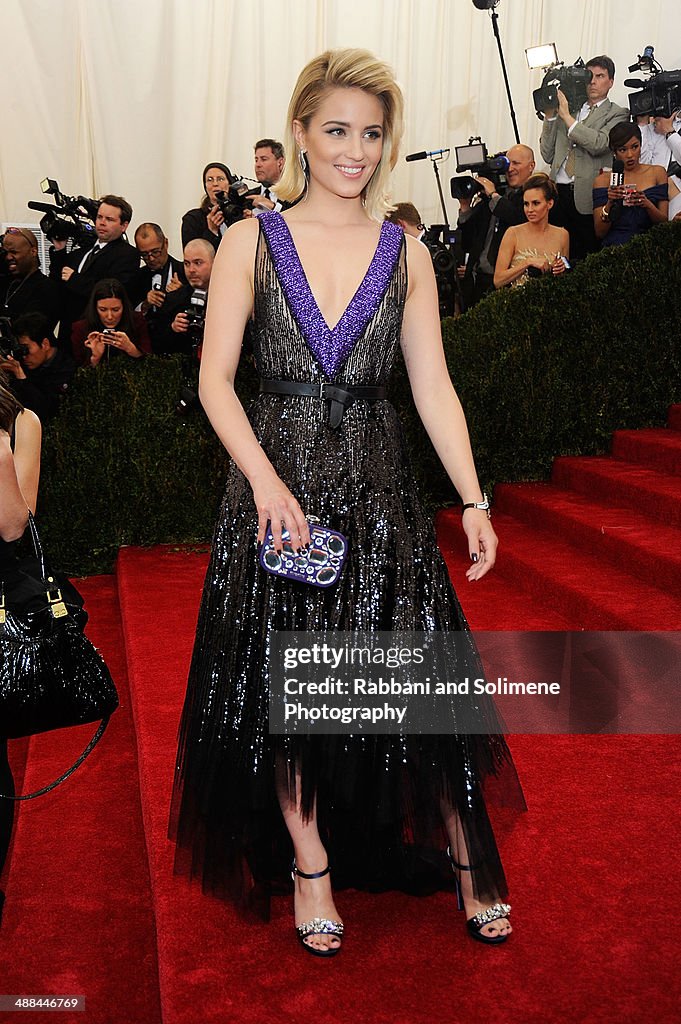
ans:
x=330 y=346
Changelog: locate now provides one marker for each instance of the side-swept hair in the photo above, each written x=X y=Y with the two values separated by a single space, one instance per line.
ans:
x=123 y=206
x=345 y=69
x=607 y=63
x=276 y=147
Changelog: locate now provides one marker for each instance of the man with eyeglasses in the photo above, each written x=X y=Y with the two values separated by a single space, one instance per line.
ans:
x=161 y=275
x=23 y=287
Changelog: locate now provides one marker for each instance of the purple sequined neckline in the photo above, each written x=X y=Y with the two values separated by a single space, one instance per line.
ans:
x=331 y=347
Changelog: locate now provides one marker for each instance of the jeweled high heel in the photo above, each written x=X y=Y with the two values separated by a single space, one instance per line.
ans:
x=318 y=925
x=476 y=923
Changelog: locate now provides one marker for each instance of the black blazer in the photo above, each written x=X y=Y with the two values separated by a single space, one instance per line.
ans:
x=141 y=282
x=117 y=259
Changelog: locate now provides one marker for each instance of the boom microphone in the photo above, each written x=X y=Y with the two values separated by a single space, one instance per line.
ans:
x=426 y=153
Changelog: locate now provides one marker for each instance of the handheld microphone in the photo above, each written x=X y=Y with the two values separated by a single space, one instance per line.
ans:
x=617 y=173
x=426 y=153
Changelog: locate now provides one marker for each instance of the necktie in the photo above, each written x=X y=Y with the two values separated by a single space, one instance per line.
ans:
x=267 y=194
x=570 y=163
x=90 y=256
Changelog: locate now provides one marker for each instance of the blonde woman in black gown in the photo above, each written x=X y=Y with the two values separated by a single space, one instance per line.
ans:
x=333 y=290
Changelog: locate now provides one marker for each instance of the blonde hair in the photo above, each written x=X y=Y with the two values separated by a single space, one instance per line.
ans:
x=345 y=69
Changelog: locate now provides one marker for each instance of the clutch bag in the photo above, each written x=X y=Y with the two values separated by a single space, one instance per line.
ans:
x=320 y=565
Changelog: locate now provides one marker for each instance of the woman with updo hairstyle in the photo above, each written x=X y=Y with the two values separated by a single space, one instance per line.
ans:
x=110 y=327
x=19 y=474
x=623 y=211
x=536 y=247
x=334 y=291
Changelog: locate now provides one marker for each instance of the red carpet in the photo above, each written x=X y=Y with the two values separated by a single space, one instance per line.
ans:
x=78 y=918
x=592 y=867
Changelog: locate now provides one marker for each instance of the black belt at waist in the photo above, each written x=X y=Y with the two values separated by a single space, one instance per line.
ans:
x=339 y=398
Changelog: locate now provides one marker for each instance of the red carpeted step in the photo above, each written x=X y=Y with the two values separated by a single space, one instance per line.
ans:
x=579 y=586
x=621 y=536
x=674 y=417
x=613 y=481
x=658 y=449
x=493 y=602
x=78 y=918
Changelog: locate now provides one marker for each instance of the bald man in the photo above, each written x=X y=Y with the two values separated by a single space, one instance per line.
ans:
x=483 y=223
x=172 y=333
x=25 y=289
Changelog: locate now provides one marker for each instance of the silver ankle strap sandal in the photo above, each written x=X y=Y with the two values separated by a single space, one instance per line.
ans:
x=318 y=925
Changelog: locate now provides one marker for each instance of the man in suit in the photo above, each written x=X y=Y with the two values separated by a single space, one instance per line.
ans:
x=23 y=288
x=269 y=163
x=576 y=147
x=160 y=276
x=110 y=256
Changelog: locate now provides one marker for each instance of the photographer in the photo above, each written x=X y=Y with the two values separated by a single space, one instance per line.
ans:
x=110 y=327
x=178 y=334
x=110 y=257
x=576 y=146
x=409 y=219
x=483 y=222
x=161 y=275
x=43 y=372
x=24 y=289
x=208 y=221
x=670 y=129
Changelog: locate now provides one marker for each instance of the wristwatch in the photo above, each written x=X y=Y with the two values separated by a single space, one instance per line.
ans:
x=483 y=505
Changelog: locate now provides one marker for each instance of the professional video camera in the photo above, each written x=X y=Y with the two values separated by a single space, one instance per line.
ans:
x=232 y=203
x=660 y=95
x=474 y=158
x=9 y=346
x=571 y=79
x=70 y=217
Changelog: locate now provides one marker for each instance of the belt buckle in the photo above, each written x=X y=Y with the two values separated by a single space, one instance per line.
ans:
x=321 y=394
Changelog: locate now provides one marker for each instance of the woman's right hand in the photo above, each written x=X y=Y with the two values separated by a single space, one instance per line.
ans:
x=215 y=219
x=275 y=504
x=96 y=345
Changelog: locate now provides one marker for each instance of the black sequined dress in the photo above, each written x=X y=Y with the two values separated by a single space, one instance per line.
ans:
x=378 y=797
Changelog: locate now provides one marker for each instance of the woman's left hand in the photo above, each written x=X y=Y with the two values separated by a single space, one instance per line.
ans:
x=482 y=542
x=119 y=339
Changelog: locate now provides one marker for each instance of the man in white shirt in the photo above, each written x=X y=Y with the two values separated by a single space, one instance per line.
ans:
x=576 y=147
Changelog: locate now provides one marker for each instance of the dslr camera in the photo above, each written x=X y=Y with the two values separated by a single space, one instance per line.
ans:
x=232 y=203
x=196 y=315
x=474 y=158
x=9 y=346
x=571 y=79
x=69 y=217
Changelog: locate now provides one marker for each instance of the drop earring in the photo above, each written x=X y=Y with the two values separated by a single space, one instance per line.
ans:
x=304 y=163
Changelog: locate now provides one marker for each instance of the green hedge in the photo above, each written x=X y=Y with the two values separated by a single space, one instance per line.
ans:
x=549 y=369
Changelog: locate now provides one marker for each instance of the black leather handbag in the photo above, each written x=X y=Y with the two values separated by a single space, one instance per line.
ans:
x=51 y=676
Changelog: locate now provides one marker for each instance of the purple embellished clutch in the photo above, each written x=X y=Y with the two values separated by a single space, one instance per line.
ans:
x=319 y=566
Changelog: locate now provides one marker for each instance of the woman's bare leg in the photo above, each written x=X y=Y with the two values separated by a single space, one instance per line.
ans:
x=312 y=897
x=457 y=842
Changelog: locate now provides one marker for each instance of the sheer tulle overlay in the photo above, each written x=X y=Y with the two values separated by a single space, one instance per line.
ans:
x=379 y=798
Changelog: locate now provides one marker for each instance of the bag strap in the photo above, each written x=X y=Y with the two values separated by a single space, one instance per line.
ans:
x=62 y=778
x=37 y=546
